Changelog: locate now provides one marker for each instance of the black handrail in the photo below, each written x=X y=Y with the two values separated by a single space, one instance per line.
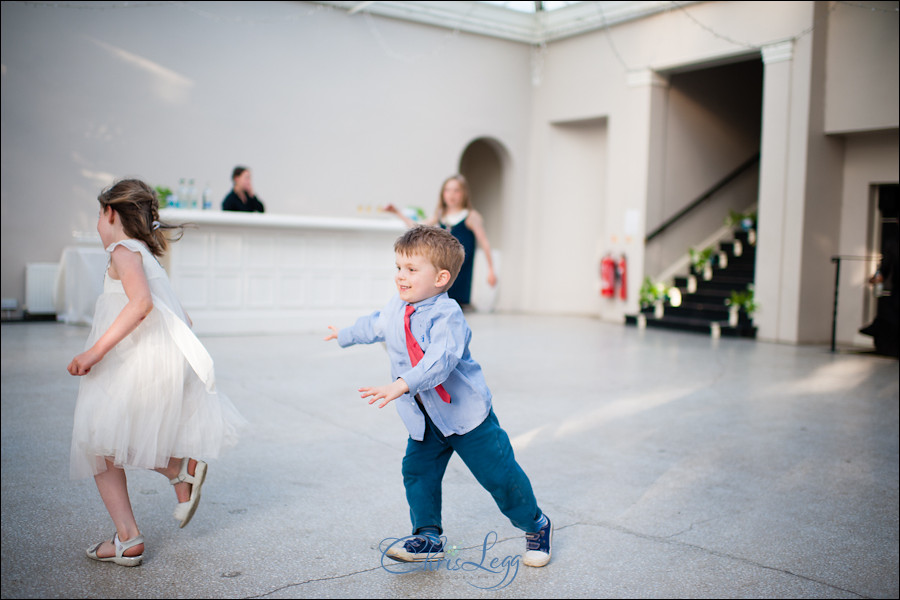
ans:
x=706 y=196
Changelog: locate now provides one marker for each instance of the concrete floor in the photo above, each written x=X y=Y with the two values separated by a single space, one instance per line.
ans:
x=672 y=465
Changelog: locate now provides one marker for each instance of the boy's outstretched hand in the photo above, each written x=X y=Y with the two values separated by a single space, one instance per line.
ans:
x=385 y=393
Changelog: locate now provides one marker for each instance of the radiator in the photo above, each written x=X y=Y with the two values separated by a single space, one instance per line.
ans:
x=40 y=287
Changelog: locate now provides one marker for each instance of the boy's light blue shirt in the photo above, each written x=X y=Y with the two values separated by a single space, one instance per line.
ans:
x=443 y=333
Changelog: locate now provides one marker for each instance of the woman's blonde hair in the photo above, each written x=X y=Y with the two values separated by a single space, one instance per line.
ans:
x=467 y=200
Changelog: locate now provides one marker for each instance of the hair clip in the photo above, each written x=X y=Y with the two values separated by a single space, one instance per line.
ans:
x=155 y=225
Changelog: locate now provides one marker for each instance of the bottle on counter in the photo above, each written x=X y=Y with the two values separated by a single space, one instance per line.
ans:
x=207 y=197
x=192 y=195
x=181 y=200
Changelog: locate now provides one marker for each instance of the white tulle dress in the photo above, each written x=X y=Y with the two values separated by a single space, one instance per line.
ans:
x=153 y=396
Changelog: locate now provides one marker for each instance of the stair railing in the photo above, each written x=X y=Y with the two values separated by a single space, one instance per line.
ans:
x=837 y=280
x=749 y=163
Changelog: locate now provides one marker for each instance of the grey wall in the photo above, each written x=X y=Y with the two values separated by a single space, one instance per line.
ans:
x=863 y=56
x=338 y=112
x=333 y=112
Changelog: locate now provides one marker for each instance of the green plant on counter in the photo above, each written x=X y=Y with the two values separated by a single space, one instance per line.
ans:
x=745 y=221
x=163 y=193
x=743 y=299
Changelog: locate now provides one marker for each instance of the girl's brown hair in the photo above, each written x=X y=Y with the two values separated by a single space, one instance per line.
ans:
x=138 y=208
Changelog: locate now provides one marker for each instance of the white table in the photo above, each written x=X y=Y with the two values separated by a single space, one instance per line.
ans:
x=79 y=283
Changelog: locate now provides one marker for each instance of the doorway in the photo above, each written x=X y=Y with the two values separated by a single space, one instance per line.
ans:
x=882 y=303
x=482 y=164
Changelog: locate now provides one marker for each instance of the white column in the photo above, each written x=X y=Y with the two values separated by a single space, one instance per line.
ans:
x=637 y=182
x=775 y=241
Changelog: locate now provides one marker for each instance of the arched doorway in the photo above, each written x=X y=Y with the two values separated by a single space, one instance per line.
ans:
x=482 y=164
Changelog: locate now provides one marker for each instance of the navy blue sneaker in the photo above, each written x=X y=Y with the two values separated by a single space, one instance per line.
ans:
x=417 y=548
x=537 y=545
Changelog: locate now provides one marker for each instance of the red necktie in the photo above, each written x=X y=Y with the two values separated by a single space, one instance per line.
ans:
x=415 y=351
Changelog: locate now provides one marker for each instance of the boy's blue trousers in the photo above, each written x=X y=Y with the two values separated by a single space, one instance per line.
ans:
x=487 y=453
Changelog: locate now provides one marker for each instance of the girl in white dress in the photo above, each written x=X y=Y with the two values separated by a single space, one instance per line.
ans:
x=148 y=397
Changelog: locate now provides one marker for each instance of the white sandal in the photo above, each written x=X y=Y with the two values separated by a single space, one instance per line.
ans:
x=121 y=547
x=185 y=510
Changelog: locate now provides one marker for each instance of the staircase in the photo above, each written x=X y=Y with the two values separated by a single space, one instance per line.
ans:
x=703 y=308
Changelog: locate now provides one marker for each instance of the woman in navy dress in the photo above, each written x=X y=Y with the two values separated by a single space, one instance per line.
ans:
x=454 y=212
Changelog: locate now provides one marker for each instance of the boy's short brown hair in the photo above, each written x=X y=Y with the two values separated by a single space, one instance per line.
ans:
x=436 y=244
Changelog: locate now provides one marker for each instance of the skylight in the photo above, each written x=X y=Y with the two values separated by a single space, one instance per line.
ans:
x=530 y=7
x=517 y=21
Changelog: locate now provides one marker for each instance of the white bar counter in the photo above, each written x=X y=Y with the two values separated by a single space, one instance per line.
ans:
x=257 y=273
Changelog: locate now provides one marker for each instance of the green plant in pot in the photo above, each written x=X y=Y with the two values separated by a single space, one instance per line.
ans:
x=740 y=300
x=163 y=193
x=745 y=221
x=701 y=261
x=651 y=293
x=656 y=294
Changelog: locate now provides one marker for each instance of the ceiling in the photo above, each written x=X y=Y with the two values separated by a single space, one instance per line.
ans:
x=515 y=21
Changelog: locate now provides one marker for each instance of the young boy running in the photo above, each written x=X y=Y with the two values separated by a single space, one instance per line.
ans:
x=442 y=398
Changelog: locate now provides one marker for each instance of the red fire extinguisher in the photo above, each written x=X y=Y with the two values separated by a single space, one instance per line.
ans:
x=623 y=281
x=607 y=277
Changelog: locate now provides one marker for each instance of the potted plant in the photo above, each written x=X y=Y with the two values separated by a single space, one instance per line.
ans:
x=701 y=261
x=162 y=194
x=740 y=300
x=745 y=221
x=655 y=295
